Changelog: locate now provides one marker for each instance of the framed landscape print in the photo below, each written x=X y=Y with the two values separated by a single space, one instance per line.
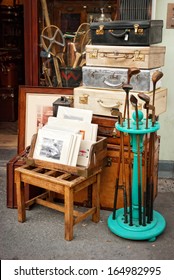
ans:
x=35 y=106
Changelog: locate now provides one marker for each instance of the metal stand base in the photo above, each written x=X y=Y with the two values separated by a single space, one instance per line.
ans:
x=137 y=232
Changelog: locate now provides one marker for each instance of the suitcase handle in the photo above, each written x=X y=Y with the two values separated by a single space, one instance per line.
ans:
x=118 y=56
x=112 y=85
x=119 y=35
x=116 y=105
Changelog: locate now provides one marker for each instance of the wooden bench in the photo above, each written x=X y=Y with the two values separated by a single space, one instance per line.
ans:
x=55 y=181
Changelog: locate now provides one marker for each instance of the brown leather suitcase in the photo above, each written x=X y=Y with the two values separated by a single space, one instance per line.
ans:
x=30 y=191
x=8 y=104
x=106 y=128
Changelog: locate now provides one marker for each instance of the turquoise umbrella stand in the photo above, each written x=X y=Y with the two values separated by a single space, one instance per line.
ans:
x=137 y=229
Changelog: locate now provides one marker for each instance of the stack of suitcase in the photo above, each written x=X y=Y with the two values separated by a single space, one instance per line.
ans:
x=116 y=47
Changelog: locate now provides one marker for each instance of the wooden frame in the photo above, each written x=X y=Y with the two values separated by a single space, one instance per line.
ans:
x=23 y=91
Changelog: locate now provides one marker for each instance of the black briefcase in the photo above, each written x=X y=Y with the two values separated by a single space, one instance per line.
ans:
x=127 y=33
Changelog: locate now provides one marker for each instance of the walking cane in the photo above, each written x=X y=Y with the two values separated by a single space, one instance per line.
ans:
x=116 y=112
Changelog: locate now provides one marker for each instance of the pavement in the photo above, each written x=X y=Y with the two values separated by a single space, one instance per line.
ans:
x=41 y=237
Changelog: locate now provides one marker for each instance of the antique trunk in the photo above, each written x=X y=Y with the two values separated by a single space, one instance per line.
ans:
x=127 y=33
x=8 y=104
x=102 y=102
x=106 y=128
x=30 y=191
x=114 y=78
x=122 y=56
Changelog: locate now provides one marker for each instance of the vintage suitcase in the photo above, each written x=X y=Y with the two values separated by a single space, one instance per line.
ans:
x=106 y=128
x=114 y=78
x=102 y=101
x=116 y=56
x=8 y=104
x=127 y=33
x=30 y=191
x=108 y=176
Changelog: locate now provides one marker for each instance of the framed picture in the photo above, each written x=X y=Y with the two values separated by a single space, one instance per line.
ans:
x=35 y=106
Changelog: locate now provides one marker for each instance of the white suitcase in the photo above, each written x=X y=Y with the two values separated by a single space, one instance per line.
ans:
x=114 y=78
x=121 y=56
x=102 y=101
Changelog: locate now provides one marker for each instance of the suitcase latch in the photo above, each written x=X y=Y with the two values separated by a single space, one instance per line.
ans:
x=138 y=30
x=138 y=56
x=83 y=99
x=93 y=54
x=109 y=161
x=100 y=31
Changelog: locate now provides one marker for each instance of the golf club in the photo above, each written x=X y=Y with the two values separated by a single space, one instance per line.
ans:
x=127 y=87
x=146 y=99
x=157 y=75
x=134 y=102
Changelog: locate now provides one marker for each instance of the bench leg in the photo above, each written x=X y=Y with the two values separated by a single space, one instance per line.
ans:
x=69 y=213
x=20 y=198
x=96 y=199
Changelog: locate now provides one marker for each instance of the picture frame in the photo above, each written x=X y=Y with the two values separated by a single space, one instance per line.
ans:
x=27 y=117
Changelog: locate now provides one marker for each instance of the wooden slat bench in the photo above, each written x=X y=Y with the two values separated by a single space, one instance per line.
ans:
x=60 y=182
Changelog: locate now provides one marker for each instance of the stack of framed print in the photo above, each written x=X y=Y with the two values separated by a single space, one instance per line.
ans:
x=67 y=138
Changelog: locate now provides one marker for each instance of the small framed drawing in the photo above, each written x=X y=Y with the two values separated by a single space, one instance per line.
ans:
x=35 y=106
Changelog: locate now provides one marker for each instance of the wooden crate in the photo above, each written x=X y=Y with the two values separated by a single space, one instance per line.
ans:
x=97 y=159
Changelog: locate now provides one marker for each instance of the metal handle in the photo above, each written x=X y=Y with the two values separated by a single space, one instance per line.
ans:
x=117 y=55
x=119 y=35
x=116 y=105
x=112 y=84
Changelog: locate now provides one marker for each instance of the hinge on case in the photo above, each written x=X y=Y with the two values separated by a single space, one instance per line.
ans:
x=100 y=31
x=138 y=30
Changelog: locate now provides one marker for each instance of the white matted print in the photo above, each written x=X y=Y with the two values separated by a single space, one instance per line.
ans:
x=74 y=114
x=38 y=108
x=53 y=146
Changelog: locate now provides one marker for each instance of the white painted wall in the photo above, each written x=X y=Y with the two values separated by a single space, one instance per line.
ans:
x=167 y=119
